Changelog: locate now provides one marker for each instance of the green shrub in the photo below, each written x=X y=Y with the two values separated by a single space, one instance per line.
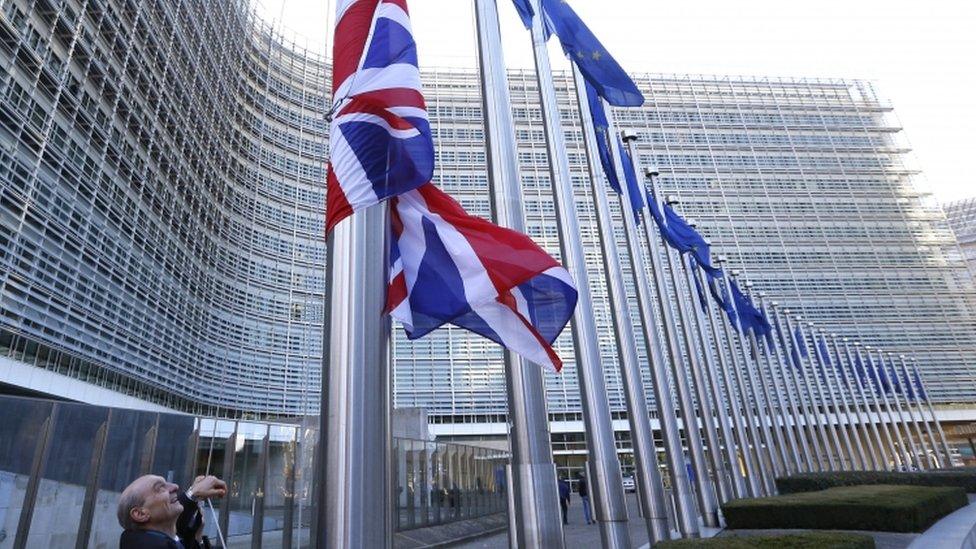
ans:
x=806 y=540
x=962 y=477
x=877 y=508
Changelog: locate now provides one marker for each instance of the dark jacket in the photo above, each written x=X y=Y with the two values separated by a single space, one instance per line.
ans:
x=187 y=524
x=582 y=488
x=564 y=490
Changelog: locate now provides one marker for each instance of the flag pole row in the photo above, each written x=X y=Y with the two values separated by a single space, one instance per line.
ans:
x=737 y=407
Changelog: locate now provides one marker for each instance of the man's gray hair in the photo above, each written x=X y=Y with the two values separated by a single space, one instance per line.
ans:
x=127 y=502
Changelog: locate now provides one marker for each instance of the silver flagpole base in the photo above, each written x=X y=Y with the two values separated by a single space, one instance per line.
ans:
x=358 y=482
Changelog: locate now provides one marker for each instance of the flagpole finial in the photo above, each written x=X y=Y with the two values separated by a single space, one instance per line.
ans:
x=774 y=304
x=721 y=259
x=760 y=295
x=628 y=135
x=734 y=273
x=786 y=311
x=748 y=284
x=866 y=347
x=651 y=171
x=691 y=223
x=798 y=318
x=901 y=357
x=671 y=200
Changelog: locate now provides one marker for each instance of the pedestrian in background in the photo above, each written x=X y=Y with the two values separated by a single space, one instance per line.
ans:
x=564 y=493
x=583 y=489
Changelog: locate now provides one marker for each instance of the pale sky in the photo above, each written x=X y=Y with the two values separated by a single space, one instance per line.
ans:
x=922 y=55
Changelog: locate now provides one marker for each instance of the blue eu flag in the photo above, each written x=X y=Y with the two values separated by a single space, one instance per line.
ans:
x=601 y=127
x=597 y=66
x=525 y=11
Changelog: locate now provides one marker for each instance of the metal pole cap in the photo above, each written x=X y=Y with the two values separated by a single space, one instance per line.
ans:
x=760 y=295
x=721 y=258
x=748 y=284
x=691 y=222
x=798 y=318
x=786 y=311
x=734 y=273
x=901 y=357
x=774 y=304
x=628 y=135
x=651 y=171
x=672 y=199
x=833 y=335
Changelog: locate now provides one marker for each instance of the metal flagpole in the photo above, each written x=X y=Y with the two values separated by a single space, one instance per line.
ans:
x=891 y=425
x=839 y=397
x=745 y=429
x=796 y=429
x=604 y=464
x=819 y=400
x=902 y=420
x=711 y=394
x=828 y=394
x=873 y=389
x=802 y=396
x=815 y=405
x=357 y=509
x=687 y=516
x=682 y=290
x=880 y=453
x=775 y=445
x=935 y=419
x=727 y=407
x=792 y=462
x=921 y=414
x=916 y=429
x=705 y=492
x=763 y=444
x=858 y=422
x=771 y=468
x=538 y=519
x=650 y=488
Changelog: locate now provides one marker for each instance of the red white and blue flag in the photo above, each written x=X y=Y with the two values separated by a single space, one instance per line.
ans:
x=381 y=144
x=446 y=266
x=451 y=267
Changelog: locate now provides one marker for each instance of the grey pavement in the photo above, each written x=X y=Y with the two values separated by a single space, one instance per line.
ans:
x=577 y=534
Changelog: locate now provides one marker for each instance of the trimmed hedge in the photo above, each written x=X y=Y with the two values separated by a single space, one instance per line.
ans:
x=806 y=540
x=875 y=508
x=962 y=477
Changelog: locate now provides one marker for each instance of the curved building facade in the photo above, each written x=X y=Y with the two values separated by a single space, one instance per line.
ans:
x=162 y=205
x=162 y=201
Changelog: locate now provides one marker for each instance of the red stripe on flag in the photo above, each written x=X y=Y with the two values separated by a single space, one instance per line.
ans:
x=351 y=33
x=360 y=105
x=509 y=257
x=337 y=207
x=395 y=97
x=396 y=292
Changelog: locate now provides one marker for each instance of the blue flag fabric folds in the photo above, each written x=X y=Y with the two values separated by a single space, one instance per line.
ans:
x=749 y=317
x=633 y=187
x=702 y=300
x=525 y=11
x=919 y=388
x=824 y=353
x=680 y=235
x=859 y=369
x=597 y=66
x=893 y=376
x=601 y=126
x=784 y=344
x=801 y=342
x=882 y=380
x=717 y=289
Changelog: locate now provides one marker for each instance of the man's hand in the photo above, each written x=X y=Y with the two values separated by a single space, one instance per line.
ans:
x=208 y=487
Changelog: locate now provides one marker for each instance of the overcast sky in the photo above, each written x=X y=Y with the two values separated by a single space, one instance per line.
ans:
x=921 y=54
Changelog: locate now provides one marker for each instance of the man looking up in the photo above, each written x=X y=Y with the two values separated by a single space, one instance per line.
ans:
x=156 y=514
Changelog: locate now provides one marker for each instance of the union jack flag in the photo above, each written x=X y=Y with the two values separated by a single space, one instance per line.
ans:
x=451 y=267
x=381 y=144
